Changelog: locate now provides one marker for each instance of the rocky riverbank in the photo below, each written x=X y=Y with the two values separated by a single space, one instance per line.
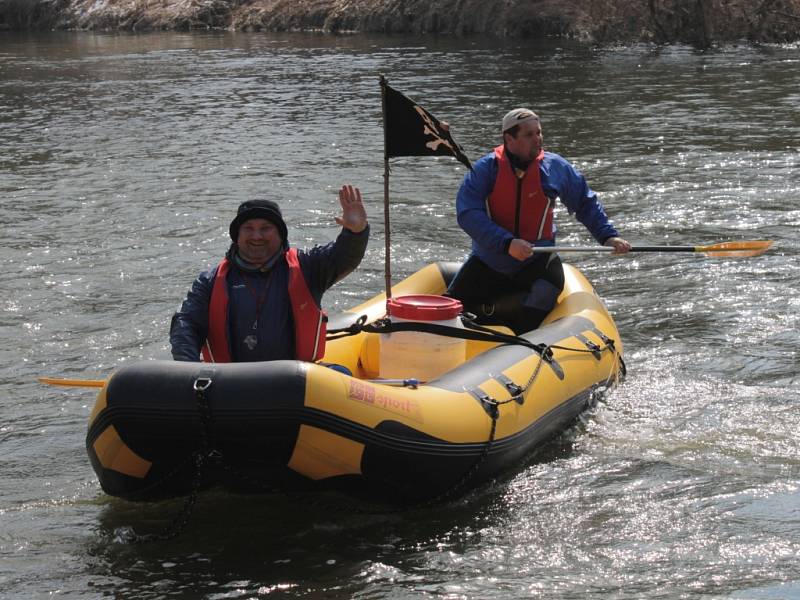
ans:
x=698 y=22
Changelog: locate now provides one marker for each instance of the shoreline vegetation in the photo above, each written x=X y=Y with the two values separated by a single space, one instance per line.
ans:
x=701 y=23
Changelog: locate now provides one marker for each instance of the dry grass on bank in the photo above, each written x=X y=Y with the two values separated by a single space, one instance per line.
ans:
x=699 y=22
x=152 y=14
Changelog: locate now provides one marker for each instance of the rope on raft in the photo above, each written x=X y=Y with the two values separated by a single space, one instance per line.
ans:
x=471 y=331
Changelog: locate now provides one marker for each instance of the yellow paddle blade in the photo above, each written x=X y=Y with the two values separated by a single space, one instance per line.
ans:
x=91 y=383
x=736 y=249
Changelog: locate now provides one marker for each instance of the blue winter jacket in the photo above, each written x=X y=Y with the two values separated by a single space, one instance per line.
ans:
x=270 y=335
x=559 y=178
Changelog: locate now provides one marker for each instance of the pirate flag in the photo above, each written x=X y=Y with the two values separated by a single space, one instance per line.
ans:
x=410 y=130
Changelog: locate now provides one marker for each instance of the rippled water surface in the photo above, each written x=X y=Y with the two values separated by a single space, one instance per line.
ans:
x=122 y=159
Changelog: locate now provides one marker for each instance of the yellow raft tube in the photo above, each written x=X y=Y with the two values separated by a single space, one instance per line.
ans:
x=163 y=428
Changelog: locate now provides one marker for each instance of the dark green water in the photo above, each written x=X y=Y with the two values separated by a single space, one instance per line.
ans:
x=122 y=159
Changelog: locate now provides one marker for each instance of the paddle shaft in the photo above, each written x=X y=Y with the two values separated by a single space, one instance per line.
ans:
x=551 y=249
x=98 y=383
x=742 y=249
x=90 y=383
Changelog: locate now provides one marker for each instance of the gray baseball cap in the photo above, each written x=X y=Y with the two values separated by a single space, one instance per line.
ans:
x=518 y=116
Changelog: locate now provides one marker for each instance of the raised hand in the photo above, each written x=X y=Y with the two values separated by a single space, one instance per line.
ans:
x=354 y=215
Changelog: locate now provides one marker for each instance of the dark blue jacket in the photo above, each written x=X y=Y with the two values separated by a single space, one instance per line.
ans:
x=269 y=335
x=559 y=180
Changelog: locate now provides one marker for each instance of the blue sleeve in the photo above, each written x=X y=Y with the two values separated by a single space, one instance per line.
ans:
x=325 y=265
x=562 y=179
x=189 y=327
x=471 y=207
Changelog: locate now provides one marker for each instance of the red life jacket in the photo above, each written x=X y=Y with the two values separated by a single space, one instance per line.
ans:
x=310 y=321
x=519 y=204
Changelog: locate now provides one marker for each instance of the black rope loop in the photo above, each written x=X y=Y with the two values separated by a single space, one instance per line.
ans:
x=354 y=328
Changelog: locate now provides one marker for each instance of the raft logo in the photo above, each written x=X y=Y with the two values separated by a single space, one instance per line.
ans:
x=368 y=394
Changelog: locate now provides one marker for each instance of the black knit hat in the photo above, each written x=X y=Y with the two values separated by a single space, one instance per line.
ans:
x=258 y=209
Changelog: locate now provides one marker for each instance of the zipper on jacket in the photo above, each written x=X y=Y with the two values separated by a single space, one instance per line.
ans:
x=519 y=202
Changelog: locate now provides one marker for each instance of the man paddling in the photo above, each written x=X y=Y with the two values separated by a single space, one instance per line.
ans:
x=505 y=204
x=263 y=301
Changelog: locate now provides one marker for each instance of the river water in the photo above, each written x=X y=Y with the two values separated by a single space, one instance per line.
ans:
x=122 y=159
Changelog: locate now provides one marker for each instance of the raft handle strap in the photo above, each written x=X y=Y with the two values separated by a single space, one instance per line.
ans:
x=606 y=340
x=489 y=404
x=514 y=389
x=590 y=345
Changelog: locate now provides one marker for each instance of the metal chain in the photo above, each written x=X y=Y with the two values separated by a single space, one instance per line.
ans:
x=201 y=457
x=468 y=474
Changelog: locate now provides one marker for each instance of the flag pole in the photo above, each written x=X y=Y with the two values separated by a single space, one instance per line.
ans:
x=386 y=225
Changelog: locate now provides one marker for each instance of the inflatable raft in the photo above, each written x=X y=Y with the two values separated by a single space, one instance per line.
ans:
x=163 y=428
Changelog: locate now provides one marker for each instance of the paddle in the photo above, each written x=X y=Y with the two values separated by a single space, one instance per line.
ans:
x=97 y=383
x=722 y=250
x=91 y=383
x=744 y=249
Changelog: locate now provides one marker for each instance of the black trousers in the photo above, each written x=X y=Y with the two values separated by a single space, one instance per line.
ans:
x=520 y=301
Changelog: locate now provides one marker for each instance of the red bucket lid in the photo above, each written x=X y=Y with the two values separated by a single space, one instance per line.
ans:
x=424 y=307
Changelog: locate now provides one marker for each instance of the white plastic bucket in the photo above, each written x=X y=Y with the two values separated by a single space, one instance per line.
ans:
x=419 y=355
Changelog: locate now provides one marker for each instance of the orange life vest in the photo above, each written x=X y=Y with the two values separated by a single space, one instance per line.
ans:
x=518 y=204
x=310 y=321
